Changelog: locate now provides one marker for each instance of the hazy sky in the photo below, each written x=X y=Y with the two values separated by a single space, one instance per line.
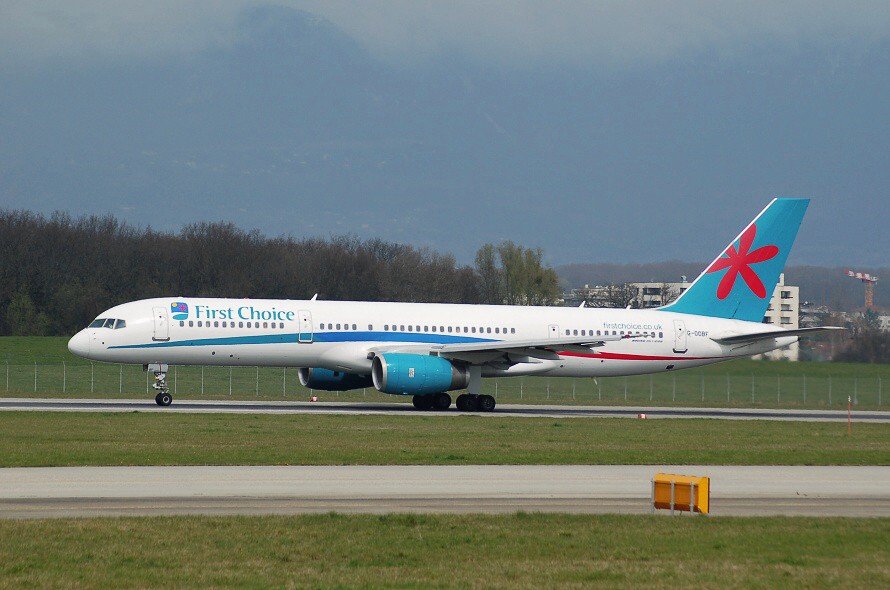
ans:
x=517 y=32
x=623 y=131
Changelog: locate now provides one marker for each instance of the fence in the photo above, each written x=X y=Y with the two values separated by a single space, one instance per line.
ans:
x=684 y=387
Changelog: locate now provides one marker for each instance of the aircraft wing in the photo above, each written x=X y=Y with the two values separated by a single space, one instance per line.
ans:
x=736 y=338
x=545 y=348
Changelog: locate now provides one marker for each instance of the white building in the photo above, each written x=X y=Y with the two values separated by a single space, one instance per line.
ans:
x=784 y=311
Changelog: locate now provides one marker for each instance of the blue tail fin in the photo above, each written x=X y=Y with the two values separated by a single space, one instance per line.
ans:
x=740 y=282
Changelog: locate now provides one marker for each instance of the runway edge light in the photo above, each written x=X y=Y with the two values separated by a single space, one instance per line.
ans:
x=681 y=492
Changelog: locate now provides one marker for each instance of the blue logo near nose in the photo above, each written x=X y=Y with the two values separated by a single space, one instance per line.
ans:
x=180 y=310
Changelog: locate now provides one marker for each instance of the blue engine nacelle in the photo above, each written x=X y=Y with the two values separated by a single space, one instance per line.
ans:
x=327 y=380
x=416 y=374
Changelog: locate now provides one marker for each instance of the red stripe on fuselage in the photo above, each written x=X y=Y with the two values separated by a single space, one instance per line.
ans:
x=617 y=356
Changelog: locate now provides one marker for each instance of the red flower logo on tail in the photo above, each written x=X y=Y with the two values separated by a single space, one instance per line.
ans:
x=739 y=263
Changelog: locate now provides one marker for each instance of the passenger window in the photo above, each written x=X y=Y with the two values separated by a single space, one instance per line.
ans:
x=265 y=324
x=441 y=328
x=409 y=328
x=583 y=332
x=434 y=328
x=338 y=326
x=488 y=330
x=240 y=324
x=353 y=326
x=191 y=324
x=449 y=329
x=200 y=325
x=181 y=323
x=386 y=327
x=598 y=333
x=418 y=328
x=661 y=334
x=474 y=329
x=497 y=330
x=466 y=330
x=512 y=330
x=401 y=328
x=568 y=333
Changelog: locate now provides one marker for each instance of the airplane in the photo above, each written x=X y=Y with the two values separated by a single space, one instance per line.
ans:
x=427 y=350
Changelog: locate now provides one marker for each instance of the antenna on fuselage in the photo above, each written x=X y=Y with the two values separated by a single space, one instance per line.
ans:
x=314 y=297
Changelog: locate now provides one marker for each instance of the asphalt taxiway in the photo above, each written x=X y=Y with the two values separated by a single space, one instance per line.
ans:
x=502 y=410
x=735 y=490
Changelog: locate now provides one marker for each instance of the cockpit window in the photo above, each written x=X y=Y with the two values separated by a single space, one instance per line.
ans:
x=110 y=323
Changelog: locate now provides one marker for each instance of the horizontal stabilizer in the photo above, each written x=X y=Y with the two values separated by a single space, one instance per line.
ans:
x=735 y=338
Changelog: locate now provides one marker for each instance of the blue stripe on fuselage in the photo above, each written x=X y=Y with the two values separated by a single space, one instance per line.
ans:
x=413 y=337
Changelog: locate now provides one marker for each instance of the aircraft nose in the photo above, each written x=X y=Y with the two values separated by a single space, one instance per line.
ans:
x=80 y=344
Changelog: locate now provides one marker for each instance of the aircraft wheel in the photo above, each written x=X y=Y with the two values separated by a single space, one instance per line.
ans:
x=468 y=402
x=486 y=403
x=441 y=401
x=423 y=402
x=163 y=399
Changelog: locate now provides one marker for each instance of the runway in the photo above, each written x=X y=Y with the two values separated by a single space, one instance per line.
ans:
x=736 y=490
x=502 y=410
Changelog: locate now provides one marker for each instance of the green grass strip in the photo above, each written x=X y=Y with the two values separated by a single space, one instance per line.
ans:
x=67 y=439
x=445 y=551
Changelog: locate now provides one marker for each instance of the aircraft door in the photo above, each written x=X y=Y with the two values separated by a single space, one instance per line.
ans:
x=305 y=321
x=162 y=326
x=554 y=331
x=679 y=336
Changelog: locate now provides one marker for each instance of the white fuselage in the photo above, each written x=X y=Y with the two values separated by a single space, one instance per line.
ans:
x=340 y=335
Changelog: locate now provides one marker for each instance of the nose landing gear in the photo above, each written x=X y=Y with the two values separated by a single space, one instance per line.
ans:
x=163 y=398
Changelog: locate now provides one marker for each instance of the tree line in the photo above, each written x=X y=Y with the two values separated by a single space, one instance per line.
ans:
x=57 y=273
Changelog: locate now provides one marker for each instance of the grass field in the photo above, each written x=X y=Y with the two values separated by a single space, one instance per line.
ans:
x=44 y=367
x=64 y=439
x=443 y=551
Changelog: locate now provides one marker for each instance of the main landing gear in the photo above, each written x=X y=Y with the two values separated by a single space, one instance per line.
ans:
x=471 y=402
x=466 y=402
x=436 y=401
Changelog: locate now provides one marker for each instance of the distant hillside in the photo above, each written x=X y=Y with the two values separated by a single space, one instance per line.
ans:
x=818 y=284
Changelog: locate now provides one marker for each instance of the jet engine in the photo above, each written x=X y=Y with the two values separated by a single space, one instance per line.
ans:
x=327 y=380
x=416 y=374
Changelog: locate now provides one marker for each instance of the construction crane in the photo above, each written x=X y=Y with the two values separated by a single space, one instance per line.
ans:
x=869 y=282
